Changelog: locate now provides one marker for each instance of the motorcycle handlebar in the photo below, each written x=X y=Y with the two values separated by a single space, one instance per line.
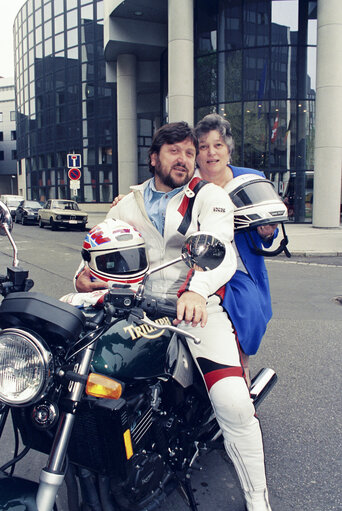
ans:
x=151 y=307
x=158 y=307
x=124 y=300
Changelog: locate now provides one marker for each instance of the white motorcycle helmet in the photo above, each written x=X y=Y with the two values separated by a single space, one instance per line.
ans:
x=115 y=253
x=257 y=203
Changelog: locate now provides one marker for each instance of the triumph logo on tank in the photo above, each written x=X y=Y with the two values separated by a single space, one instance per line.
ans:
x=147 y=331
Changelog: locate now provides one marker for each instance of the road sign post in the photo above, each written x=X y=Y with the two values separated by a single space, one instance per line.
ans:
x=74 y=174
x=74 y=186
x=74 y=160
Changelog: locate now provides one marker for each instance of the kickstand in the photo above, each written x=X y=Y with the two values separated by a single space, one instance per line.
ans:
x=187 y=491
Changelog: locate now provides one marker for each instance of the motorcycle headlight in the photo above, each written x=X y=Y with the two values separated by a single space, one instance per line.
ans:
x=26 y=367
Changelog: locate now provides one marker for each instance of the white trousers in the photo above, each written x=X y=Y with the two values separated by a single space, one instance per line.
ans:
x=218 y=359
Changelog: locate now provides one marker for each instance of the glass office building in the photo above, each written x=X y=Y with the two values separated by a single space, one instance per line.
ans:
x=254 y=62
x=64 y=104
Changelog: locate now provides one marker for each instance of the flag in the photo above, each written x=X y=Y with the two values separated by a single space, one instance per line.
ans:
x=275 y=129
x=288 y=130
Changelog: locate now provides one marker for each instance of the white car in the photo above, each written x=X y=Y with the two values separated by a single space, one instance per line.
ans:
x=62 y=213
x=12 y=202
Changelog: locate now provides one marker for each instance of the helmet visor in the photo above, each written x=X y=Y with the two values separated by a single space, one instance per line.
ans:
x=253 y=192
x=123 y=262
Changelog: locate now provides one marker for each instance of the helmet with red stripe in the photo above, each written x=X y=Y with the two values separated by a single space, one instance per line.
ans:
x=116 y=253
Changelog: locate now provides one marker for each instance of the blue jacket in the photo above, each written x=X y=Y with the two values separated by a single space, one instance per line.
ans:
x=247 y=297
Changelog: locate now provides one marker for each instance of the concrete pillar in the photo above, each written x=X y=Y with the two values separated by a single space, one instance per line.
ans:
x=181 y=60
x=127 y=122
x=328 y=138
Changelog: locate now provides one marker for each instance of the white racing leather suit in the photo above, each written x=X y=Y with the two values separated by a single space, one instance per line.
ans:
x=207 y=207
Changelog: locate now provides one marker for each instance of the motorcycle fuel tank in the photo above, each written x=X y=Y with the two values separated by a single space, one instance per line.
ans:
x=128 y=351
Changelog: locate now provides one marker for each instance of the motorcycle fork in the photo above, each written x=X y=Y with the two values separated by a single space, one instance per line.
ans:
x=52 y=476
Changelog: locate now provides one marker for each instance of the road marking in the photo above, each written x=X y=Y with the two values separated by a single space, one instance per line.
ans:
x=322 y=265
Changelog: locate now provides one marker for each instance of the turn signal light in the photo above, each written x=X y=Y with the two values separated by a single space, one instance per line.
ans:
x=102 y=386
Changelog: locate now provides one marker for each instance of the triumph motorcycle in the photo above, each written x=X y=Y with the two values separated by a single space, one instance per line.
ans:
x=112 y=396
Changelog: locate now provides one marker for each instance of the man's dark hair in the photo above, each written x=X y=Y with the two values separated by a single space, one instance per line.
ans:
x=216 y=122
x=171 y=134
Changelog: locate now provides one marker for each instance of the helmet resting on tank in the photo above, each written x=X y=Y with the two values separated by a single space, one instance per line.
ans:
x=116 y=253
x=255 y=202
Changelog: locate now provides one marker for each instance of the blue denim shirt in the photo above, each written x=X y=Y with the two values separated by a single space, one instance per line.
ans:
x=156 y=203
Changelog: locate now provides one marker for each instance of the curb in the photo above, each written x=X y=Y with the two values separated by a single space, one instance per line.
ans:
x=308 y=254
x=316 y=254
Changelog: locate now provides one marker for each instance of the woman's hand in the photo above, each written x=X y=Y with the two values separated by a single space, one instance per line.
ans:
x=267 y=231
x=117 y=200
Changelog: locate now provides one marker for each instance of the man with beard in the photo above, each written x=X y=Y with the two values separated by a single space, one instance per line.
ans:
x=165 y=210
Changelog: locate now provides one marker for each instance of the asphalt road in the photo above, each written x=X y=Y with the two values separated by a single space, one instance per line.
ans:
x=301 y=418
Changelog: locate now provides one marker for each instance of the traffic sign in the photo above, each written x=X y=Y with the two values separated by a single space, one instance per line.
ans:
x=74 y=160
x=74 y=174
x=75 y=185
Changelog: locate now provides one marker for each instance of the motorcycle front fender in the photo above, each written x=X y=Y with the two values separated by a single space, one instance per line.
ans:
x=17 y=494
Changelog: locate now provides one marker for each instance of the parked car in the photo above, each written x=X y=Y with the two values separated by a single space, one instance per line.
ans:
x=62 y=213
x=27 y=212
x=12 y=202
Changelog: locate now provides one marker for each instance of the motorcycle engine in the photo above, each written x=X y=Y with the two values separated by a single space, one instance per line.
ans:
x=148 y=473
x=144 y=480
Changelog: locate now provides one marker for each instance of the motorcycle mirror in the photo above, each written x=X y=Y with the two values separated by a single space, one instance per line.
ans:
x=6 y=222
x=6 y=225
x=203 y=252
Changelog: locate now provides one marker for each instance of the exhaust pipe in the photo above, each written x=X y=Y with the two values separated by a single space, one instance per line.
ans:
x=262 y=383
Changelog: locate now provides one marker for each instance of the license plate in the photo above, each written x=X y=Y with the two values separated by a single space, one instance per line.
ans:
x=72 y=221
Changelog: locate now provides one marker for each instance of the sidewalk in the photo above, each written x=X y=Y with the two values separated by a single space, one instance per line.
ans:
x=304 y=239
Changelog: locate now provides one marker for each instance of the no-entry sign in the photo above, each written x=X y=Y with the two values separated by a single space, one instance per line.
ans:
x=74 y=174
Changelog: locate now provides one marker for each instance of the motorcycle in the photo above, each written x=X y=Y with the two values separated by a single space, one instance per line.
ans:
x=111 y=395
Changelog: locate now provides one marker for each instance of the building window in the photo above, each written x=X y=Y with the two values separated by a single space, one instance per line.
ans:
x=12 y=115
x=14 y=154
x=2 y=155
x=13 y=135
x=1 y=136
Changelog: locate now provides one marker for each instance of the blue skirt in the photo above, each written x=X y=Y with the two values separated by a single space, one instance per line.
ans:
x=248 y=308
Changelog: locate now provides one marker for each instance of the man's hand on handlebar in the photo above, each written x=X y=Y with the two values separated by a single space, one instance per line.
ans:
x=191 y=308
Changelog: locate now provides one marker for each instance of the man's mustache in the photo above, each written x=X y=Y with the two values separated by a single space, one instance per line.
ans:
x=180 y=165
